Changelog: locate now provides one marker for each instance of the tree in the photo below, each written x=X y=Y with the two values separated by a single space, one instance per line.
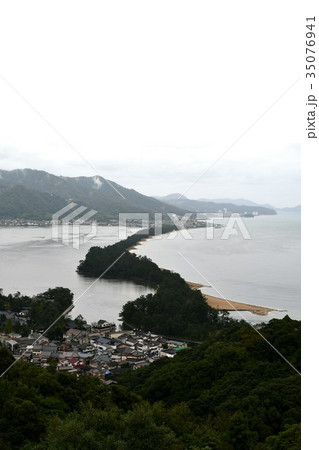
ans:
x=80 y=322
x=240 y=434
x=289 y=438
x=9 y=326
x=6 y=358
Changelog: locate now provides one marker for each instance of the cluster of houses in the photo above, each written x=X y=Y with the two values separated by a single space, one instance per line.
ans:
x=24 y=223
x=98 y=350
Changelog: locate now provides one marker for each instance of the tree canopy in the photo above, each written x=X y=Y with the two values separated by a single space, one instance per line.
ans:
x=231 y=392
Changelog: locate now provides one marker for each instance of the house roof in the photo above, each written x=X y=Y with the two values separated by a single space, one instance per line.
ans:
x=177 y=343
x=26 y=341
x=169 y=351
x=34 y=335
x=124 y=350
x=45 y=354
x=85 y=355
x=73 y=332
x=73 y=360
x=102 y=357
x=49 y=348
x=37 y=348
x=11 y=342
x=103 y=341
x=15 y=335
x=67 y=355
x=84 y=346
x=142 y=363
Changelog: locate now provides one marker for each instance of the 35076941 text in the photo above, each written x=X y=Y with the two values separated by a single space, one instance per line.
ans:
x=312 y=101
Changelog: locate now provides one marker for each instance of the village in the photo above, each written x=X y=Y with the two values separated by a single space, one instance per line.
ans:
x=97 y=350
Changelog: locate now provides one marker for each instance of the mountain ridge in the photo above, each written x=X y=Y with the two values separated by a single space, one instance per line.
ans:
x=210 y=206
x=36 y=195
x=38 y=187
x=233 y=201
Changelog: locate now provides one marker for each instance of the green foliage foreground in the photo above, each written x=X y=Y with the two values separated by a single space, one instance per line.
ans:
x=231 y=392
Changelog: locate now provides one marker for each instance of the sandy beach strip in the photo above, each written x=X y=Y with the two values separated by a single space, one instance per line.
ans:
x=193 y=285
x=135 y=246
x=230 y=305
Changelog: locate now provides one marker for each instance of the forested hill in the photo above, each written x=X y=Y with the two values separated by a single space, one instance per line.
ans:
x=233 y=392
x=248 y=394
x=36 y=194
x=174 y=309
x=128 y=265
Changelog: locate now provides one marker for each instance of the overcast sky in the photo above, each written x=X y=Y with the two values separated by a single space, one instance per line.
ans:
x=152 y=94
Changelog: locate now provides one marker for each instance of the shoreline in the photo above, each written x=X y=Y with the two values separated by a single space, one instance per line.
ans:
x=135 y=246
x=218 y=303
x=222 y=304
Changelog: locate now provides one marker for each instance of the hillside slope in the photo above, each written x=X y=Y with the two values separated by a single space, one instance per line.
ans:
x=35 y=194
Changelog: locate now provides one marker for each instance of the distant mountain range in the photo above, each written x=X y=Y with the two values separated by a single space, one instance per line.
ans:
x=211 y=206
x=242 y=202
x=237 y=201
x=35 y=194
x=295 y=209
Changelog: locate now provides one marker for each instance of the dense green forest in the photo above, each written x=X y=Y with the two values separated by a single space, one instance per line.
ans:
x=42 y=310
x=174 y=310
x=231 y=392
x=129 y=266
